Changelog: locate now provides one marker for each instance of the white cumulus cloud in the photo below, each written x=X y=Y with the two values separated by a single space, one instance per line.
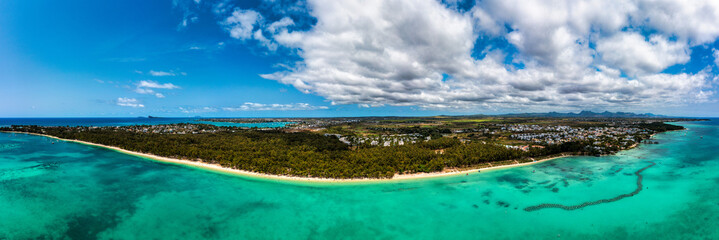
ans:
x=280 y=24
x=147 y=87
x=241 y=23
x=153 y=84
x=565 y=53
x=129 y=102
x=250 y=106
x=633 y=55
x=161 y=73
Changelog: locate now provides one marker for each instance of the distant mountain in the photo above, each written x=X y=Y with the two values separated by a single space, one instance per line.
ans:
x=587 y=114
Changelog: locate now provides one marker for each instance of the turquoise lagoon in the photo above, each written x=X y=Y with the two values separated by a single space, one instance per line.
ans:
x=72 y=191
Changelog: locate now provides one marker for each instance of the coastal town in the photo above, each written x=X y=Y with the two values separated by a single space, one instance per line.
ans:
x=597 y=135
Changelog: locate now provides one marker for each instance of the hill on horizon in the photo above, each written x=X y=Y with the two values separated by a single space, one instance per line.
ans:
x=587 y=114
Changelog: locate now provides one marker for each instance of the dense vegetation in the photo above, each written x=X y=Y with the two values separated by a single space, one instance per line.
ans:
x=310 y=154
x=659 y=126
x=301 y=154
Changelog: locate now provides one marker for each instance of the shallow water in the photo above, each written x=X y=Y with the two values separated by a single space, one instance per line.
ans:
x=69 y=190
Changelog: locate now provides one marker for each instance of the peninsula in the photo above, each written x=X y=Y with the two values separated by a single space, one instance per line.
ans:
x=370 y=148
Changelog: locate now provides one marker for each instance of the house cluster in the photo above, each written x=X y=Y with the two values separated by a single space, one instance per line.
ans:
x=531 y=128
x=163 y=129
x=172 y=129
x=381 y=140
x=523 y=147
x=294 y=123
x=561 y=134
x=318 y=124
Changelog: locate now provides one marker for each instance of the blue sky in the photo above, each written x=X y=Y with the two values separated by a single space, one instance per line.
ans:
x=347 y=58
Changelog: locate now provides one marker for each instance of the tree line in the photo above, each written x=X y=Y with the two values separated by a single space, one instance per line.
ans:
x=304 y=154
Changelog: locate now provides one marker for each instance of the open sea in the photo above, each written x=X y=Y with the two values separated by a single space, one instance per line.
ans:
x=72 y=191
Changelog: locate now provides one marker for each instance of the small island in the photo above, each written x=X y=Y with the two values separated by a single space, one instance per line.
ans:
x=374 y=147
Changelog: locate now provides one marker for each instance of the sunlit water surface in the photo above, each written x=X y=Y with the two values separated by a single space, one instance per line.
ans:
x=68 y=190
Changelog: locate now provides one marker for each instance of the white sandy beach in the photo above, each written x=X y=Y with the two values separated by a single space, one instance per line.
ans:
x=218 y=168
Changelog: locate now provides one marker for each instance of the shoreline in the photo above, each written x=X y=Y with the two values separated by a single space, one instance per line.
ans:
x=294 y=179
